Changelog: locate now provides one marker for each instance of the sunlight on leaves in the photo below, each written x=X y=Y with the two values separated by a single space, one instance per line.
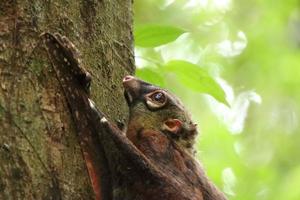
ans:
x=216 y=4
x=229 y=180
x=228 y=48
x=235 y=115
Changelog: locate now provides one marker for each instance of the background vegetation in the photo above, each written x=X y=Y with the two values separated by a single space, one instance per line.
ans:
x=236 y=65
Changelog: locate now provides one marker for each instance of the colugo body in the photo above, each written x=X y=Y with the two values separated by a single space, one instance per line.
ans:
x=154 y=160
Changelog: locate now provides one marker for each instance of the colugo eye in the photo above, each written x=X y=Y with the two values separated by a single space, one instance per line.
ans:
x=158 y=97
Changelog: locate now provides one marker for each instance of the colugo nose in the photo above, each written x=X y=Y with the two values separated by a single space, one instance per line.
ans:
x=131 y=83
x=127 y=78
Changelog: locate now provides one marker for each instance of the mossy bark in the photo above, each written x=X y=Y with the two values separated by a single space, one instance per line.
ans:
x=40 y=156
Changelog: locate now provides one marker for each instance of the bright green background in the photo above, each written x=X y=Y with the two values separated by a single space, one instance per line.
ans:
x=245 y=54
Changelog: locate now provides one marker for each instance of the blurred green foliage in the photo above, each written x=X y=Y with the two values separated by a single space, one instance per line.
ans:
x=236 y=66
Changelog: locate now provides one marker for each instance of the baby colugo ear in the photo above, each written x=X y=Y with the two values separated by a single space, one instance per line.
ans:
x=172 y=125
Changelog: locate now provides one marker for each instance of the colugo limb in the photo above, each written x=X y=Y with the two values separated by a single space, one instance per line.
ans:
x=155 y=158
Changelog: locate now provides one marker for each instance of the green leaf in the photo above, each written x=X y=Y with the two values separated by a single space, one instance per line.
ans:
x=150 y=75
x=196 y=78
x=156 y=35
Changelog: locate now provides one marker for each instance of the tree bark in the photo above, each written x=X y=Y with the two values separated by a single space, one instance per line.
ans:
x=40 y=155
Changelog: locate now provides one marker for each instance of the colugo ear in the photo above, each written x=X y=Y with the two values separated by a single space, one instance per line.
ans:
x=172 y=125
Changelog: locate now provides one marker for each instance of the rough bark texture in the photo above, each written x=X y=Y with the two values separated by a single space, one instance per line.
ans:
x=40 y=157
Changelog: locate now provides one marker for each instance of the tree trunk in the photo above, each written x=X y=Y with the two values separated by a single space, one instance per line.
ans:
x=40 y=156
